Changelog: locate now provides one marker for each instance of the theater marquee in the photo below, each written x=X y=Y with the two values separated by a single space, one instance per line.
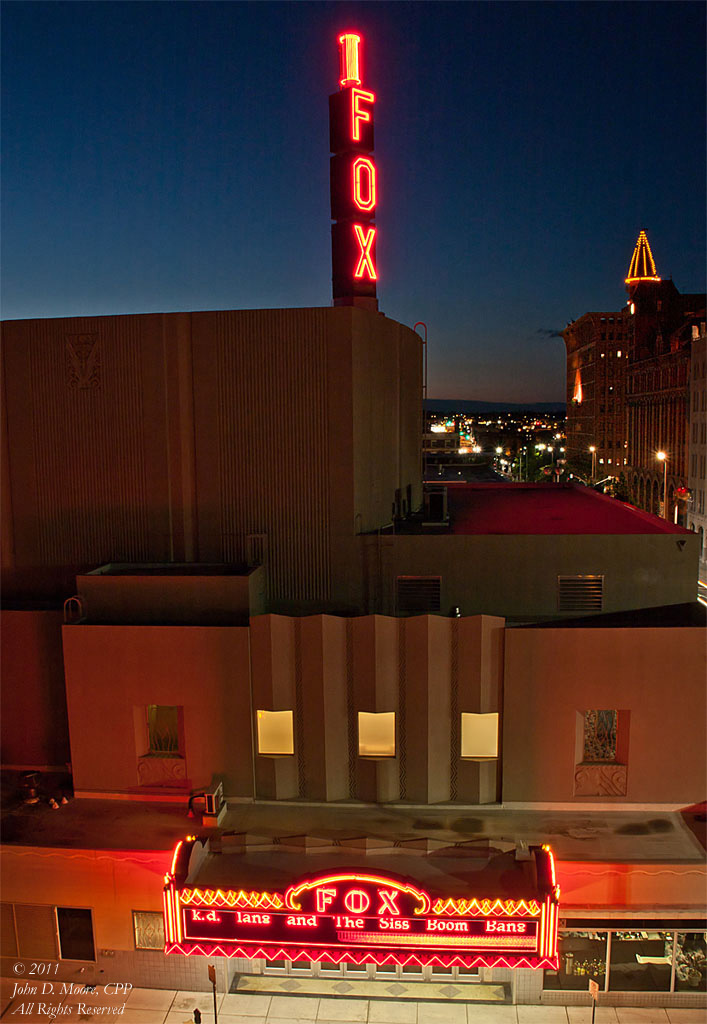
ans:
x=361 y=917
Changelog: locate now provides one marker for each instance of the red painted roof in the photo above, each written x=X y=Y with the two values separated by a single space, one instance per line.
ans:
x=546 y=509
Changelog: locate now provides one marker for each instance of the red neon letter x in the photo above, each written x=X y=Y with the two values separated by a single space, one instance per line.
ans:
x=388 y=898
x=365 y=262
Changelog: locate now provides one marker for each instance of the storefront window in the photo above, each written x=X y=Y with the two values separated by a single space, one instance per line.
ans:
x=691 y=962
x=582 y=957
x=641 y=961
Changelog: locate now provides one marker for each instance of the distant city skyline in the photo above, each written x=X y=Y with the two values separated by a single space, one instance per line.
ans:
x=174 y=156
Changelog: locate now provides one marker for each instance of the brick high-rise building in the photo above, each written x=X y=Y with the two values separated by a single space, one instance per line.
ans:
x=628 y=379
x=697 y=477
x=597 y=352
x=660 y=321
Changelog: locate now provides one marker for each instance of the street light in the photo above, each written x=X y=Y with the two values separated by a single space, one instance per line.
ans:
x=593 y=450
x=662 y=457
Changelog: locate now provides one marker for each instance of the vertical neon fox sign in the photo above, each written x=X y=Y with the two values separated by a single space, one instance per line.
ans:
x=354 y=179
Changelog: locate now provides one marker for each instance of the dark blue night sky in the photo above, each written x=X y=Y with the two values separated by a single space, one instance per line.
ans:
x=174 y=156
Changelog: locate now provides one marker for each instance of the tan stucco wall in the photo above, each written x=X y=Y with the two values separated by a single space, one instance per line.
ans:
x=111 y=670
x=646 y=886
x=33 y=719
x=426 y=669
x=112 y=883
x=658 y=675
x=516 y=576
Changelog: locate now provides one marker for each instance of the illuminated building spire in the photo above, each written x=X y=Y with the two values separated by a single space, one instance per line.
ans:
x=642 y=266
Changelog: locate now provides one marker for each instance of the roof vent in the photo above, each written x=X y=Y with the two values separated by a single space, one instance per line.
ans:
x=418 y=594
x=580 y=593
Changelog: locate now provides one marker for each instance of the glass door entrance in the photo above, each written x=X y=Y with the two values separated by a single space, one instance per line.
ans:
x=371 y=972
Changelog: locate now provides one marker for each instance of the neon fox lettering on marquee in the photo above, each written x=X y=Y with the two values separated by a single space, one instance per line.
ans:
x=354 y=178
x=361 y=917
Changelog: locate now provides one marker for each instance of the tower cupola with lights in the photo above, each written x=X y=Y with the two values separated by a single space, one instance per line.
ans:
x=642 y=265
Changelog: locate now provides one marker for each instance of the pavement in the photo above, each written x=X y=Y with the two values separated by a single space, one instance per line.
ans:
x=163 y=1006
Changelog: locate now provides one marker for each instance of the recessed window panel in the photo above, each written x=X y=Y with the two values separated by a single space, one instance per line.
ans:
x=600 y=733
x=376 y=734
x=148 y=928
x=275 y=732
x=163 y=730
x=480 y=735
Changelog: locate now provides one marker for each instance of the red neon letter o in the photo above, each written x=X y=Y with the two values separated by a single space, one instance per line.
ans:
x=364 y=194
x=357 y=901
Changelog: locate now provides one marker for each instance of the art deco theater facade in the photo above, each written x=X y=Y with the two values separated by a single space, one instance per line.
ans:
x=314 y=728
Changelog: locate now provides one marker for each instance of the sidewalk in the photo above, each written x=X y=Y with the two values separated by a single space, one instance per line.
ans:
x=162 y=1006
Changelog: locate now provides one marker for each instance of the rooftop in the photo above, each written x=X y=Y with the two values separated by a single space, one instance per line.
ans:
x=169 y=569
x=584 y=834
x=510 y=508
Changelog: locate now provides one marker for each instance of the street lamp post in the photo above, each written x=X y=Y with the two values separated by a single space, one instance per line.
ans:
x=662 y=457
x=592 y=449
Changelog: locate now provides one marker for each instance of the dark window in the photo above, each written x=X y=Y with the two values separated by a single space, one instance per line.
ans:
x=75 y=934
x=8 y=939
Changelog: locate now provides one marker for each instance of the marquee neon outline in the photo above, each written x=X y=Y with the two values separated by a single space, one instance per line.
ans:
x=295 y=891
x=276 y=952
x=232 y=899
x=174 y=899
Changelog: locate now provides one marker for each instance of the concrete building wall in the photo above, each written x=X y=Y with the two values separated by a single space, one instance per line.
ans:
x=516 y=575
x=89 y=461
x=232 y=437
x=656 y=676
x=114 y=672
x=190 y=599
x=111 y=885
x=426 y=670
x=34 y=723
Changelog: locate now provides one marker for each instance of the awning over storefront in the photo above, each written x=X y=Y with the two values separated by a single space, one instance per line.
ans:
x=362 y=900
